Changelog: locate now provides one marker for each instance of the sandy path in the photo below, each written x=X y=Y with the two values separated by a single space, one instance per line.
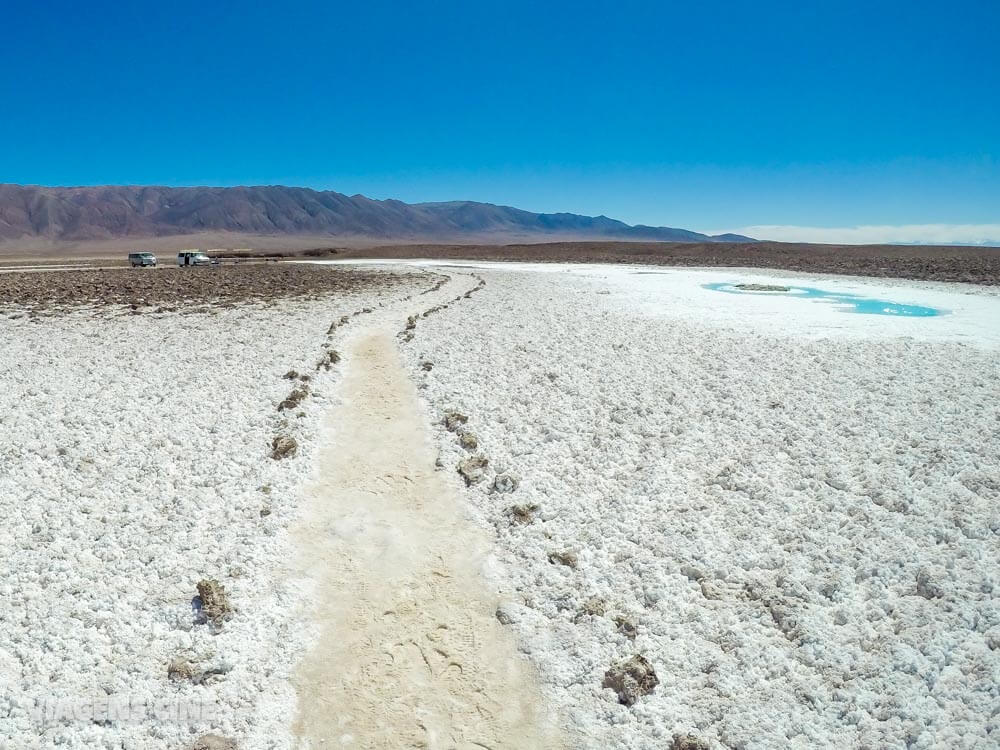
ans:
x=410 y=653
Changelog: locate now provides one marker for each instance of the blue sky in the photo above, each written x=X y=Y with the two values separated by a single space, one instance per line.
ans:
x=715 y=116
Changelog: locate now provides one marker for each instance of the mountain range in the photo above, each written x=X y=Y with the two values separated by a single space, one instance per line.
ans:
x=111 y=212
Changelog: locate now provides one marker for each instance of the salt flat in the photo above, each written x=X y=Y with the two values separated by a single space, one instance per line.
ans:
x=134 y=462
x=790 y=511
x=795 y=508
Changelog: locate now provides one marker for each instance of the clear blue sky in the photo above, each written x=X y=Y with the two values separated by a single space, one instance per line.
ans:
x=709 y=116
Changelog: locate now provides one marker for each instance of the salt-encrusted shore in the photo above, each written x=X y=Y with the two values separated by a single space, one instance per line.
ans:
x=134 y=463
x=790 y=511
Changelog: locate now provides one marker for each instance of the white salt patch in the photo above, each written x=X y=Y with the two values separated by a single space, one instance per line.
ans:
x=133 y=463
x=798 y=511
x=973 y=311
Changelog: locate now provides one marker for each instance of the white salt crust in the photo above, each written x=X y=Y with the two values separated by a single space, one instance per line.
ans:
x=797 y=508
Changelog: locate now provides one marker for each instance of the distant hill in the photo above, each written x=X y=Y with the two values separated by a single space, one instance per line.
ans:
x=111 y=212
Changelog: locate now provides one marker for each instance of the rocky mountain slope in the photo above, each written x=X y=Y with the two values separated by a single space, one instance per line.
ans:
x=98 y=213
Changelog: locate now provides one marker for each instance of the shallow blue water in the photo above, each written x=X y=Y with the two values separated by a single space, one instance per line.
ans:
x=851 y=303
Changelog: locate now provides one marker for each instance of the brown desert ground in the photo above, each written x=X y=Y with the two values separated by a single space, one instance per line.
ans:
x=966 y=264
x=169 y=289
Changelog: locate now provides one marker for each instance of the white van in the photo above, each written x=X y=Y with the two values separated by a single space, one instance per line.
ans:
x=193 y=258
x=141 y=259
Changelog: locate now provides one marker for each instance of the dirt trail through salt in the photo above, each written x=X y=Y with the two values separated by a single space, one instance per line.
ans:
x=410 y=653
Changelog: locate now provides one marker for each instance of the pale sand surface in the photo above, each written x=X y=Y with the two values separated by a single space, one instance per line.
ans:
x=410 y=653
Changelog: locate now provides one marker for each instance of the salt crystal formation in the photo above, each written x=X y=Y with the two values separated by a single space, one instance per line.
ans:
x=631 y=679
x=790 y=511
x=135 y=462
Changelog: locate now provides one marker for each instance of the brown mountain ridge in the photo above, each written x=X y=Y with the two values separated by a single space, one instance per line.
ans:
x=110 y=212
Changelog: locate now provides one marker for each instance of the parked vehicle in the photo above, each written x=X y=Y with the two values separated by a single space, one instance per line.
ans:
x=193 y=258
x=141 y=259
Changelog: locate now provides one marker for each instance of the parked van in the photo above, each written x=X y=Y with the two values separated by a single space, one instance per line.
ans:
x=141 y=259
x=193 y=258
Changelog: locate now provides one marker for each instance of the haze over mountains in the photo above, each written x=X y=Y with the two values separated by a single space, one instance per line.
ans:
x=115 y=212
